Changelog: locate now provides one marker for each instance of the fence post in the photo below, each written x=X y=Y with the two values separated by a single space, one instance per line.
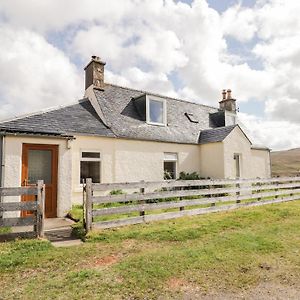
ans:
x=276 y=190
x=88 y=205
x=258 y=191
x=238 y=186
x=40 y=212
x=212 y=195
x=142 y=191
x=181 y=208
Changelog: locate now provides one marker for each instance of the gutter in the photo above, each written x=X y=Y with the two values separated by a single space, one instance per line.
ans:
x=261 y=148
x=37 y=134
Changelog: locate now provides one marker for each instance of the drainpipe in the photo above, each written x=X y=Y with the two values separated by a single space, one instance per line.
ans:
x=1 y=167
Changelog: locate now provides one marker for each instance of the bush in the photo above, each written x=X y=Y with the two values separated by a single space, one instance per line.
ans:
x=116 y=192
x=189 y=176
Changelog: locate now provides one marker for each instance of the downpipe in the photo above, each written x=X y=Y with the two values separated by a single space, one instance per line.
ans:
x=1 y=168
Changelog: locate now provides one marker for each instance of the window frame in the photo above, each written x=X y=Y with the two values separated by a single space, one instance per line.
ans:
x=173 y=161
x=159 y=99
x=90 y=159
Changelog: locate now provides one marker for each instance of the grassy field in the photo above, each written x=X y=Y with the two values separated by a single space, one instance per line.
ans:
x=193 y=256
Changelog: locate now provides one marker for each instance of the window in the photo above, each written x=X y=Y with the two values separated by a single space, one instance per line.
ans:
x=90 y=166
x=170 y=165
x=237 y=159
x=156 y=111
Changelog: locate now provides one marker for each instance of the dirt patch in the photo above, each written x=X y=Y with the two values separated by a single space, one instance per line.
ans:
x=183 y=287
x=176 y=283
x=263 y=291
x=106 y=261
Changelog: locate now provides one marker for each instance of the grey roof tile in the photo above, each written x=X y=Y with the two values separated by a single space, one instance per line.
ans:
x=79 y=118
x=215 y=135
x=125 y=120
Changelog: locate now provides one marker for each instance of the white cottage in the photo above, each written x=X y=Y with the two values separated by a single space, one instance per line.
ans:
x=118 y=134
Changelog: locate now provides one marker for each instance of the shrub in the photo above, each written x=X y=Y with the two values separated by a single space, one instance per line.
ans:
x=189 y=176
x=116 y=192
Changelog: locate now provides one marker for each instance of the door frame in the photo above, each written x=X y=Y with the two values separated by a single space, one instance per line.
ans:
x=54 y=170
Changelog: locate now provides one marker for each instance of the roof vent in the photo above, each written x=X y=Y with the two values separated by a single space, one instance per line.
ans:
x=191 y=117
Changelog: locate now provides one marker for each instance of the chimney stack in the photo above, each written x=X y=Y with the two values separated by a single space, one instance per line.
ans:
x=94 y=73
x=228 y=103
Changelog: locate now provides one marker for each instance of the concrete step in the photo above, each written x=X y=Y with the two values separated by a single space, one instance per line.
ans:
x=67 y=243
x=59 y=235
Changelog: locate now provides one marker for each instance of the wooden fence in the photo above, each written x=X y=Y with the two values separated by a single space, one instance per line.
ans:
x=36 y=206
x=107 y=207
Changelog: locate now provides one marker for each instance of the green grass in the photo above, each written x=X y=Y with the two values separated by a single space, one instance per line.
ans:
x=223 y=251
x=5 y=230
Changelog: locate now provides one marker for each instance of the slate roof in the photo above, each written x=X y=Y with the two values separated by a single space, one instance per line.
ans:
x=122 y=119
x=215 y=135
x=122 y=116
x=77 y=118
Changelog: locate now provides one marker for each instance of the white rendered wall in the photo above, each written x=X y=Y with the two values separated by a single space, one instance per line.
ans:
x=253 y=164
x=125 y=160
x=212 y=160
x=13 y=168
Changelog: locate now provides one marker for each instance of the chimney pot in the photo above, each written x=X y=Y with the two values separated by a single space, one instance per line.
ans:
x=223 y=94
x=227 y=103
x=229 y=94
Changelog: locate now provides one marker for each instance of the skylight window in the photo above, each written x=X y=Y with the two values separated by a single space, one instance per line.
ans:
x=156 y=111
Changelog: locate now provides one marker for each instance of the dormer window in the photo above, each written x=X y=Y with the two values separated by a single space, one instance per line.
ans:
x=156 y=111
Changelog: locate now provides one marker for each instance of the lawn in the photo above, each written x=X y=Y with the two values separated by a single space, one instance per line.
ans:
x=209 y=254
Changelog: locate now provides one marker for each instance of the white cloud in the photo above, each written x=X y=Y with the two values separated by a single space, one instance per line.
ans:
x=273 y=134
x=239 y=22
x=33 y=74
x=144 y=42
x=47 y=15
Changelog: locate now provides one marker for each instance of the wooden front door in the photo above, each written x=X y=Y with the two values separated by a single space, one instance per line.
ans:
x=39 y=162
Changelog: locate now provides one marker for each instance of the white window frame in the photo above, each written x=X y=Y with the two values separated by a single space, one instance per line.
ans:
x=90 y=159
x=175 y=160
x=155 y=98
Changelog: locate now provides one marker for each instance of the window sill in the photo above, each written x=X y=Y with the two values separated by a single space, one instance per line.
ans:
x=157 y=124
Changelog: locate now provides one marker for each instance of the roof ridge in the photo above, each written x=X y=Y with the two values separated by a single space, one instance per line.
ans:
x=160 y=95
x=42 y=111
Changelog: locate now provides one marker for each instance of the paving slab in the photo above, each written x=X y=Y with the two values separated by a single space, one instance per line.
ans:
x=67 y=243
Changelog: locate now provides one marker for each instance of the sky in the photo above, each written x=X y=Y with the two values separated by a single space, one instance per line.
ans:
x=189 y=49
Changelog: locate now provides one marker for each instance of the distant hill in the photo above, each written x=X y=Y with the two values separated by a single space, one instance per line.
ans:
x=286 y=163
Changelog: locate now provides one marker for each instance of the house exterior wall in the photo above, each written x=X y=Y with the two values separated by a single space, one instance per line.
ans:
x=253 y=164
x=261 y=163
x=13 y=168
x=212 y=160
x=125 y=160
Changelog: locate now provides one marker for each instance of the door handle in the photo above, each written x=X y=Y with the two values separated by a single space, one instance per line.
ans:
x=25 y=182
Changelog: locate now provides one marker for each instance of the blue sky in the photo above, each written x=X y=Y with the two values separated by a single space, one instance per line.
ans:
x=190 y=49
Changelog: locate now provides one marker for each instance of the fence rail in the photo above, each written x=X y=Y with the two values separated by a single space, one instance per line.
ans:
x=191 y=197
x=37 y=207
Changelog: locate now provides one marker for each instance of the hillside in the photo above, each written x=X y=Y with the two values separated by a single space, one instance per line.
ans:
x=286 y=163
